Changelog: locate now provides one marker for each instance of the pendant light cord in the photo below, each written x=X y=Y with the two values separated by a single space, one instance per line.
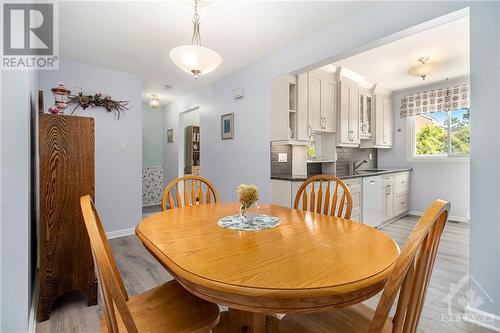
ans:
x=196 y=40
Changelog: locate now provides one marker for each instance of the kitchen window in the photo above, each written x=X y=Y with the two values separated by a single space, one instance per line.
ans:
x=439 y=136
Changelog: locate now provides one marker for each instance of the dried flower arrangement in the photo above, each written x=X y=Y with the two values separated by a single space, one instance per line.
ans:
x=98 y=100
x=248 y=195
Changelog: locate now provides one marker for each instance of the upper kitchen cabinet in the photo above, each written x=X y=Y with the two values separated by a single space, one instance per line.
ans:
x=288 y=121
x=348 y=114
x=317 y=94
x=366 y=114
x=384 y=122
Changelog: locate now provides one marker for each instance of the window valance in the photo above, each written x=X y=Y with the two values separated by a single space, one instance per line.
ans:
x=442 y=99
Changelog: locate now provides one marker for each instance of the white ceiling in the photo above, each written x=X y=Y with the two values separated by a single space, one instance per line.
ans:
x=387 y=65
x=136 y=37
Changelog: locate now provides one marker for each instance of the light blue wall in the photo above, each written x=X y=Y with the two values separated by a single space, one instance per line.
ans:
x=429 y=180
x=485 y=154
x=248 y=153
x=118 y=142
x=153 y=136
x=15 y=208
x=246 y=158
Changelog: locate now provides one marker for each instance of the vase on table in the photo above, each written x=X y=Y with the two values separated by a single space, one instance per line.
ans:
x=249 y=213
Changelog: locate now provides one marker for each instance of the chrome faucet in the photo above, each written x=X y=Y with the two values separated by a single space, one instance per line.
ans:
x=355 y=166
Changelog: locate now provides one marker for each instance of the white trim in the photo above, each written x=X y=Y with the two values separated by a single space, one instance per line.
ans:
x=34 y=306
x=460 y=219
x=471 y=315
x=120 y=233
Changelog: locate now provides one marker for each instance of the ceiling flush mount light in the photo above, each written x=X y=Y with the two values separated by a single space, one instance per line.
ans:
x=195 y=58
x=154 y=101
x=424 y=68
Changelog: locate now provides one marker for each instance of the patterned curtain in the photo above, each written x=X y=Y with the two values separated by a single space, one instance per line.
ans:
x=442 y=99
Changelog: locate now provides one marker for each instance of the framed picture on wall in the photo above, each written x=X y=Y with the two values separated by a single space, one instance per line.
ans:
x=227 y=126
x=170 y=135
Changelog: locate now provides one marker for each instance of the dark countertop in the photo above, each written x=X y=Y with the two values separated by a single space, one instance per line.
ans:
x=382 y=171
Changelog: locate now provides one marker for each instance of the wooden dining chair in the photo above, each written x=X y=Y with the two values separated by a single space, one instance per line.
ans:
x=192 y=186
x=410 y=276
x=166 y=308
x=338 y=204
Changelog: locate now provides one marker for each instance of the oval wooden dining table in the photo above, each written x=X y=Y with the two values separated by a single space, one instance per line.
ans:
x=310 y=262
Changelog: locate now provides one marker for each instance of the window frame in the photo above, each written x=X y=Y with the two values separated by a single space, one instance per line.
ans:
x=411 y=146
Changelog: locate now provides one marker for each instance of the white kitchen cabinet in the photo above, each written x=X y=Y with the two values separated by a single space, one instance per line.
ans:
x=387 y=198
x=365 y=114
x=384 y=122
x=281 y=192
x=348 y=114
x=395 y=195
x=392 y=203
x=288 y=120
x=355 y=185
x=321 y=101
x=401 y=193
x=284 y=192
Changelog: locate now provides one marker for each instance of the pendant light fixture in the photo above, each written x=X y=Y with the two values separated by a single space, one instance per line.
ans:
x=195 y=58
x=424 y=68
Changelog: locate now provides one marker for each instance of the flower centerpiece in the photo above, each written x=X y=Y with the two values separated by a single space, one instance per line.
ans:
x=248 y=195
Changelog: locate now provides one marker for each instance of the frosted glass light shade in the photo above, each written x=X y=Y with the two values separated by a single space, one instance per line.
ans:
x=423 y=70
x=195 y=59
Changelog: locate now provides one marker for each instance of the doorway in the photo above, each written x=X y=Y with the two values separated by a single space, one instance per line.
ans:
x=189 y=142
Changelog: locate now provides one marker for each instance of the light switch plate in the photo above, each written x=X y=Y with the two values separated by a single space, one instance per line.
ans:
x=282 y=157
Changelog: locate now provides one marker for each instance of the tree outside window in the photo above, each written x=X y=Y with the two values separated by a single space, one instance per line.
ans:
x=445 y=133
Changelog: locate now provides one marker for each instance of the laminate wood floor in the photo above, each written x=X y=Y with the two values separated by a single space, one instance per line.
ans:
x=141 y=272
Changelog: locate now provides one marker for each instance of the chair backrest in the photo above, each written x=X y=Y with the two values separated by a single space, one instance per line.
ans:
x=339 y=204
x=111 y=284
x=412 y=272
x=192 y=186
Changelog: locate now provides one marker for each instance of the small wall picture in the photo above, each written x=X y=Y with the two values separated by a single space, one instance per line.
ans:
x=170 y=135
x=227 y=126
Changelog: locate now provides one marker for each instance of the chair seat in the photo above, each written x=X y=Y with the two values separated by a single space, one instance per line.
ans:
x=354 y=319
x=169 y=308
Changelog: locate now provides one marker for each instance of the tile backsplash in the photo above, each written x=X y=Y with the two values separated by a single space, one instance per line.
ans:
x=281 y=168
x=346 y=155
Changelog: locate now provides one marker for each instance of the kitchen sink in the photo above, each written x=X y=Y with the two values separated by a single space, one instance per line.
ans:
x=370 y=170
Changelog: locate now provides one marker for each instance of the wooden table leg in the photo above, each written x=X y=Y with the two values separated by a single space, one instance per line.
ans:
x=237 y=321
x=247 y=322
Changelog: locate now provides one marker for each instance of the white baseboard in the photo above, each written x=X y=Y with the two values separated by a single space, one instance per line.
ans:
x=482 y=318
x=120 y=233
x=450 y=218
x=34 y=306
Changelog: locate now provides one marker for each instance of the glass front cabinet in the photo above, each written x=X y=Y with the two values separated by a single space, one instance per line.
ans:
x=365 y=114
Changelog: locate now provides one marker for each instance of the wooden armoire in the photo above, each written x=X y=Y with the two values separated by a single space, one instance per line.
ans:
x=66 y=167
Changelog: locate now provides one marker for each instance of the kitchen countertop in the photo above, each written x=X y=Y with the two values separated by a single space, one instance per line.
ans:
x=383 y=171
